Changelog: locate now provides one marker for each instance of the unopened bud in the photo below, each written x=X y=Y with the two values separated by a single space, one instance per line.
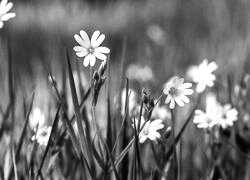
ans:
x=96 y=76
x=167 y=133
x=152 y=103
x=144 y=96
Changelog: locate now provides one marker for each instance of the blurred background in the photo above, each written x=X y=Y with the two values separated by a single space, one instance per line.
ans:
x=160 y=37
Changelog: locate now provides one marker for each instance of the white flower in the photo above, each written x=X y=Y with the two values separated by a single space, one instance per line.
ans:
x=210 y=117
x=42 y=135
x=90 y=49
x=150 y=130
x=132 y=101
x=202 y=74
x=177 y=91
x=228 y=116
x=37 y=116
x=4 y=9
x=215 y=114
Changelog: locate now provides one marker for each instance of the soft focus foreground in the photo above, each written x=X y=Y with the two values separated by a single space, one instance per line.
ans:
x=124 y=90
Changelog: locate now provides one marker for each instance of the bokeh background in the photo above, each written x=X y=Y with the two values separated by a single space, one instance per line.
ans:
x=163 y=35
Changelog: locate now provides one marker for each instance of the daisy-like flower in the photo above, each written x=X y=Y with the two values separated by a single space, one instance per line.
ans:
x=202 y=75
x=177 y=91
x=90 y=49
x=210 y=117
x=215 y=115
x=37 y=116
x=228 y=116
x=150 y=129
x=42 y=135
x=5 y=15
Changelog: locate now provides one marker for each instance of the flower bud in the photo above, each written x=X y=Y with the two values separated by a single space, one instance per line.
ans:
x=96 y=76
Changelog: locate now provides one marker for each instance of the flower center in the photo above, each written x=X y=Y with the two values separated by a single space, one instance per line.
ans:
x=91 y=50
x=145 y=132
x=173 y=91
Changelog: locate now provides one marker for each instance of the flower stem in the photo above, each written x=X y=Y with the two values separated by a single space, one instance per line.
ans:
x=175 y=163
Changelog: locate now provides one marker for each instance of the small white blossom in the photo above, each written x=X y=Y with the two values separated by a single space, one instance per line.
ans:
x=202 y=75
x=42 y=135
x=177 y=91
x=5 y=15
x=208 y=118
x=215 y=115
x=90 y=49
x=37 y=116
x=149 y=130
x=228 y=116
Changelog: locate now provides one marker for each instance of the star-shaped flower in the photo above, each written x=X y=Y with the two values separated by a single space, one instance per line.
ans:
x=90 y=49
x=42 y=135
x=177 y=91
x=149 y=130
x=202 y=75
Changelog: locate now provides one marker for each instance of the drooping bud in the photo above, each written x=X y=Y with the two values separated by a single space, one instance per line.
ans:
x=167 y=133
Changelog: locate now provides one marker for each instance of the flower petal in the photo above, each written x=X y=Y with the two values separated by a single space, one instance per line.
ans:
x=86 y=61
x=94 y=37
x=79 y=40
x=172 y=104
x=98 y=41
x=102 y=49
x=184 y=99
x=85 y=38
x=186 y=85
x=200 y=87
x=8 y=16
x=79 y=48
x=7 y=8
x=142 y=139
x=3 y=3
x=179 y=102
x=212 y=66
x=92 y=60
x=82 y=53
x=168 y=99
x=100 y=55
x=188 y=92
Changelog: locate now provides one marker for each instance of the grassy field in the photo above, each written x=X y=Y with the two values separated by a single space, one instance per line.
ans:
x=61 y=119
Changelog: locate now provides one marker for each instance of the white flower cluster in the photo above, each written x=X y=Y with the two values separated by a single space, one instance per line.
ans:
x=215 y=115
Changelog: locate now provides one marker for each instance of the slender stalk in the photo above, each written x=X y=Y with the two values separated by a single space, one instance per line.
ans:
x=175 y=163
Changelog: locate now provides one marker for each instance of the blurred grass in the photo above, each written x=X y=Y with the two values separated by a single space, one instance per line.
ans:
x=216 y=29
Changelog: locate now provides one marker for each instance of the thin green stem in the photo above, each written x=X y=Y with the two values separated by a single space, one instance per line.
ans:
x=174 y=147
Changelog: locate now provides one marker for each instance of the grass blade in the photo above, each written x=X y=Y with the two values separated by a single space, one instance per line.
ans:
x=77 y=109
x=14 y=162
x=50 y=142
